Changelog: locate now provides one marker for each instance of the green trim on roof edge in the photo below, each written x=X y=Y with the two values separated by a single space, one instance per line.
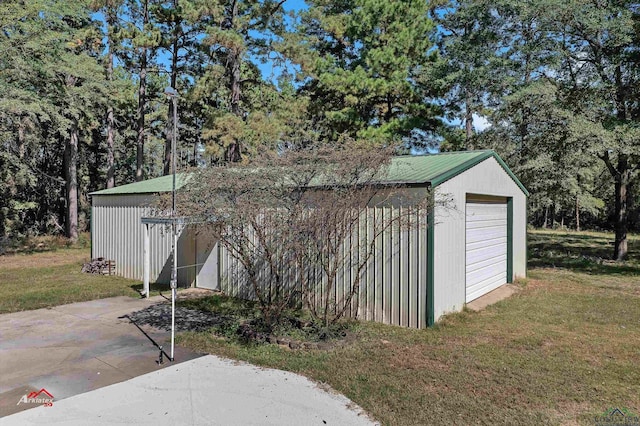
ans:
x=508 y=170
x=149 y=186
x=472 y=162
x=433 y=169
x=510 y=239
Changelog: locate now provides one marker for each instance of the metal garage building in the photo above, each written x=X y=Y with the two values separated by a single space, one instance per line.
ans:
x=474 y=245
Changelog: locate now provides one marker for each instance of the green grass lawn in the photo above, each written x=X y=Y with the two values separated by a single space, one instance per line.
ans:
x=565 y=348
x=40 y=280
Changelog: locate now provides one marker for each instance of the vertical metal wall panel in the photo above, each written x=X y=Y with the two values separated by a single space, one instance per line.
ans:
x=362 y=242
x=404 y=275
x=395 y=272
x=355 y=256
x=422 y=272
x=379 y=269
x=393 y=283
x=413 y=279
x=386 y=269
x=118 y=235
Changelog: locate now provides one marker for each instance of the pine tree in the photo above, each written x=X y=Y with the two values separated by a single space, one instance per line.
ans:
x=368 y=66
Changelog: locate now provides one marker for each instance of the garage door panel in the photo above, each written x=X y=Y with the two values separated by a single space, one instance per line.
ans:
x=488 y=223
x=486 y=248
x=485 y=286
x=483 y=270
x=483 y=275
x=480 y=216
x=488 y=210
x=485 y=234
x=480 y=255
x=486 y=244
x=482 y=260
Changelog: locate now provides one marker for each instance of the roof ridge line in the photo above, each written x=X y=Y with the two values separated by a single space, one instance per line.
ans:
x=444 y=153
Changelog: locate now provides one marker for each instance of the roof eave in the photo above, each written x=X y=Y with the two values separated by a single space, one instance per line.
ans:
x=449 y=174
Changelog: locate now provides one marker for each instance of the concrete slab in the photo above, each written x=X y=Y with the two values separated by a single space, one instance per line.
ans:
x=492 y=297
x=204 y=391
x=75 y=348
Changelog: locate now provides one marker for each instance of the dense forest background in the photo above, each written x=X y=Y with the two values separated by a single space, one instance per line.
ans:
x=555 y=84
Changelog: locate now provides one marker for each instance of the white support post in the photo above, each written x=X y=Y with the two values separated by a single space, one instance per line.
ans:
x=147 y=261
x=174 y=284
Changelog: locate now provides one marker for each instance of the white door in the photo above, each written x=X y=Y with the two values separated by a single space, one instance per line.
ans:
x=486 y=247
x=207 y=263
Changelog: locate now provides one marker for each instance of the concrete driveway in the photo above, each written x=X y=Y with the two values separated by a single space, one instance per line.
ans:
x=90 y=364
x=72 y=349
x=204 y=391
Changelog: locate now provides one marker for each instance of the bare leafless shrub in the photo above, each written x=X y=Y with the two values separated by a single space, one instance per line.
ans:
x=296 y=221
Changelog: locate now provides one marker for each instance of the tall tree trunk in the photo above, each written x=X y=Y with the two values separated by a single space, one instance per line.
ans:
x=235 y=83
x=233 y=152
x=622 y=180
x=468 y=122
x=577 y=213
x=71 y=183
x=142 y=101
x=111 y=180
x=621 y=176
x=546 y=216
x=21 y=139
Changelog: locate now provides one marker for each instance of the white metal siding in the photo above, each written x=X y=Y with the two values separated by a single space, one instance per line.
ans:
x=118 y=234
x=488 y=178
x=393 y=285
x=486 y=248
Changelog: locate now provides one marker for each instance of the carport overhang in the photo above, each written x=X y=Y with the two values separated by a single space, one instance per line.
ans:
x=156 y=220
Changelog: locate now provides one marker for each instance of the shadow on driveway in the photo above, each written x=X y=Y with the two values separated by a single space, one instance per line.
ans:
x=76 y=348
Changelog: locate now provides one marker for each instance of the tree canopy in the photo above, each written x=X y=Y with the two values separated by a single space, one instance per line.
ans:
x=82 y=103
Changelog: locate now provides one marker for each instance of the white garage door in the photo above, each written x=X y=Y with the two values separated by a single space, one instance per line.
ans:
x=486 y=247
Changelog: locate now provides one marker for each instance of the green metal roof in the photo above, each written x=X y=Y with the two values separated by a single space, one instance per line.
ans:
x=438 y=168
x=161 y=184
x=426 y=168
x=409 y=169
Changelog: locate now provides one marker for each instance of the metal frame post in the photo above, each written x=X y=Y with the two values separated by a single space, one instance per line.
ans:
x=173 y=95
x=147 y=261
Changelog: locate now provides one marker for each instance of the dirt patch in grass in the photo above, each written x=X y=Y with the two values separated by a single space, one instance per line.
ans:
x=415 y=357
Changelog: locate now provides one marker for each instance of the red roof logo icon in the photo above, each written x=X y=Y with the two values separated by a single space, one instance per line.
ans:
x=40 y=392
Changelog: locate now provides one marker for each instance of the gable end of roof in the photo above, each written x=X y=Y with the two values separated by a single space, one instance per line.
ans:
x=455 y=171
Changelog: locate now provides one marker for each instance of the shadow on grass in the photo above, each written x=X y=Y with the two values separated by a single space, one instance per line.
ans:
x=590 y=253
x=154 y=288
x=223 y=305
